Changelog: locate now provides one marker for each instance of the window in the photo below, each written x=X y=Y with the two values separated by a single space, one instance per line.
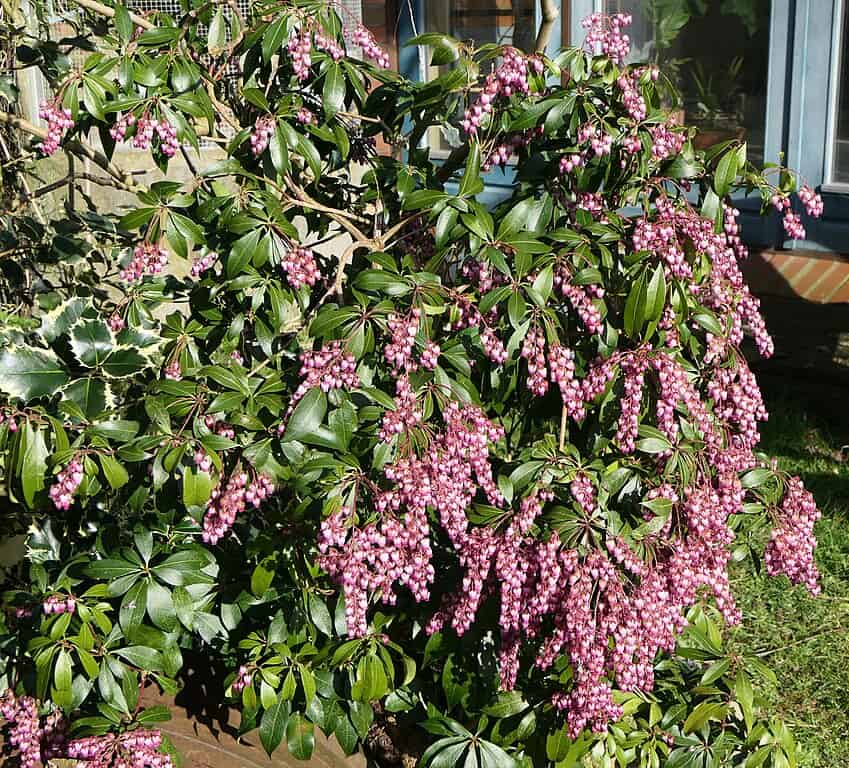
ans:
x=722 y=86
x=505 y=22
x=837 y=171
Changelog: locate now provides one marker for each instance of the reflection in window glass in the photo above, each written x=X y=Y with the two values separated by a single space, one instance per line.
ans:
x=722 y=87
x=505 y=22
x=840 y=162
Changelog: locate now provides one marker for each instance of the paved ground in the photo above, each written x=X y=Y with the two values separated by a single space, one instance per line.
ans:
x=205 y=742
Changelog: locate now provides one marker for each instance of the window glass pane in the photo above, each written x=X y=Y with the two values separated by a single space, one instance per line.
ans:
x=716 y=52
x=840 y=162
x=506 y=22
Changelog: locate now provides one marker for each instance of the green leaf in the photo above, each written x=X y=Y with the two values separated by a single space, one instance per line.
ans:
x=114 y=471
x=197 y=487
x=333 y=93
x=544 y=282
x=90 y=394
x=27 y=373
x=746 y=697
x=147 y=659
x=279 y=152
x=107 y=570
x=300 y=737
x=273 y=725
x=371 y=682
x=261 y=579
x=91 y=342
x=123 y=24
x=274 y=36
x=118 y=429
x=307 y=683
x=506 y=704
x=184 y=607
x=160 y=607
x=124 y=362
x=58 y=320
x=757 y=477
x=726 y=173
x=557 y=744
x=635 y=305
x=307 y=416
x=217 y=36
x=320 y=615
x=471 y=182
x=35 y=463
x=708 y=321
x=703 y=712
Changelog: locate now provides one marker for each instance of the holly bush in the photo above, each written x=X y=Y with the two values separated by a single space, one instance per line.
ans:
x=452 y=480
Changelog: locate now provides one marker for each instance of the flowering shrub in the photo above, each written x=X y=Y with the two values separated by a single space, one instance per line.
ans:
x=386 y=455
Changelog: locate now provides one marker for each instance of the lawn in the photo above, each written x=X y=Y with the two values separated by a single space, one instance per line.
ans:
x=806 y=640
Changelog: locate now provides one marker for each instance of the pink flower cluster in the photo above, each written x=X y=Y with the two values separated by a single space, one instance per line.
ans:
x=811 y=200
x=116 y=322
x=482 y=275
x=23 y=727
x=510 y=77
x=228 y=502
x=219 y=427
x=396 y=547
x=605 y=37
x=533 y=350
x=201 y=264
x=403 y=329
x=202 y=460
x=261 y=134
x=792 y=221
x=145 y=129
x=305 y=116
x=135 y=749
x=633 y=369
x=173 y=371
x=300 y=47
x=329 y=46
x=300 y=267
x=330 y=367
x=10 y=420
x=67 y=481
x=56 y=604
x=632 y=96
x=562 y=362
x=244 y=678
x=363 y=37
x=582 y=298
x=502 y=153
x=601 y=143
x=148 y=259
x=59 y=121
x=406 y=413
x=791 y=546
x=666 y=140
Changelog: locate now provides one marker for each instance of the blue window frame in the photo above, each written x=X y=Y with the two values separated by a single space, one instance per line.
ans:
x=805 y=41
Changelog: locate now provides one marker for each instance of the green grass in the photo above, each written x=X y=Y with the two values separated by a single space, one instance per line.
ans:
x=806 y=640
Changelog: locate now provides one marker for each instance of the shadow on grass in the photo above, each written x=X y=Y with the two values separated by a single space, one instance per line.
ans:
x=806 y=640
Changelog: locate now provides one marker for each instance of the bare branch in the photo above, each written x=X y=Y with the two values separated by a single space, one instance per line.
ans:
x=78 y=147
x=550 y=12
x=104 y=10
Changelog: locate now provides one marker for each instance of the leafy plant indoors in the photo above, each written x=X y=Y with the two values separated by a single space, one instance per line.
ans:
x=395 y=460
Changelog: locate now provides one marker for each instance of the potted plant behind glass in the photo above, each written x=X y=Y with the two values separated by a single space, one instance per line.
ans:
x=716 y=106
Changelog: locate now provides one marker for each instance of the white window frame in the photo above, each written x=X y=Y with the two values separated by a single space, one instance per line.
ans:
x=837 y=54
